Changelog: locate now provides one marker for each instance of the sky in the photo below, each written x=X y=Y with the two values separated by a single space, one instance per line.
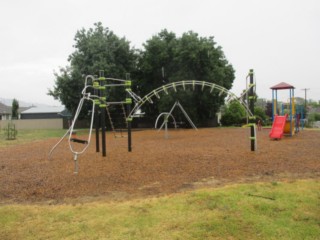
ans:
x=279 y=39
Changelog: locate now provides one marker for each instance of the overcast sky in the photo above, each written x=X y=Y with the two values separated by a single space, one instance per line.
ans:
x=279 y=39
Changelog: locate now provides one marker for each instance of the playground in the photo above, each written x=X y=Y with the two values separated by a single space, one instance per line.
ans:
x=185 y=160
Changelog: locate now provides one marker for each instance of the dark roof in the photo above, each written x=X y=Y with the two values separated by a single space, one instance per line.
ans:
x=281 y=86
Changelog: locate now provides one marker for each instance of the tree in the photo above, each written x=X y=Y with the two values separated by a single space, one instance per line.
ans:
x=260 y=114
x=234 y=114
x=269 y=112
x=167 y=58
x=155 y=64
x=95 y=49
x=15 y=109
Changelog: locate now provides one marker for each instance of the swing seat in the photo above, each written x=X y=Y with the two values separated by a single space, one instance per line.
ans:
x=78 y=140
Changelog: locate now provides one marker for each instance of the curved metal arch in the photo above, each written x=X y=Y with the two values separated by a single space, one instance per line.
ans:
x=165 y=113
x=183 y=84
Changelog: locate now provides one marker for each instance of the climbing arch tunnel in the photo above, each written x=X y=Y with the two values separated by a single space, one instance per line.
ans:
x=175 y=86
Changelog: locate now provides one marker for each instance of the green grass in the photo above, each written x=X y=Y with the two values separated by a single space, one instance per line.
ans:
x=25 y=136
x=274 y=210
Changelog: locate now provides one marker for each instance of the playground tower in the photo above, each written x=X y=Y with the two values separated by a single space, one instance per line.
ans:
x=289 y=126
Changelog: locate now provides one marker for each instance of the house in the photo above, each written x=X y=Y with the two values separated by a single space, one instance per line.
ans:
x=45 y=113
x=36 y=117
x=6 y=111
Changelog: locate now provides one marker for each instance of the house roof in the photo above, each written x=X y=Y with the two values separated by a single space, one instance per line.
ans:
x=281 y=86
x=44 y=110
x=4 y=109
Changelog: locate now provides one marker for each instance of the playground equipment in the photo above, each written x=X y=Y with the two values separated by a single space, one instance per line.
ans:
x=278 y=126
x=166 y=119
x=292 y=113
x=117 y=119
x=300 y=117
x=298 y=114
x=167 y=115
x=95 y=91
x=212 y=87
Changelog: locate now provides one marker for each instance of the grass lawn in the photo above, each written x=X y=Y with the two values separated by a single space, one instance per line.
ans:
x=277 y=210
x=25 y=136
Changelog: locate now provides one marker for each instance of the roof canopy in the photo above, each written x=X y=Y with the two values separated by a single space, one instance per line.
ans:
x=281 y=86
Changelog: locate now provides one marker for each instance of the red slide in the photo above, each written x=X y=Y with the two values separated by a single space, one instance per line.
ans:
x=278 y=127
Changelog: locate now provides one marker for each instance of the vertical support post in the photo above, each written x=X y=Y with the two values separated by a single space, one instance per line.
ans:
x=76 y=166
x=166 y=135
x=273 y=105
x=97 y=124
x=293 y=111
x=277 y=102
x=129 y=118
x=96 y=117
x=290 y=97
x=103 y=113
x=290 y=116
x=251 y=106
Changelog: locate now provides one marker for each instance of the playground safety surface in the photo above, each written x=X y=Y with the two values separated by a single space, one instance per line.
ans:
x=188 y=159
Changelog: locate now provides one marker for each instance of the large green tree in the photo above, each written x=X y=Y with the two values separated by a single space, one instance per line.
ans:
x=95 y=49
x=167 y=58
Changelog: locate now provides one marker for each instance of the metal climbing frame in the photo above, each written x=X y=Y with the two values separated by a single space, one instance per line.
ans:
x=212 y=87
x=99 y=102
x=175 y=85
x=166 y=117
x=177 y=104
x=99 y=85
x=85 y=96
x=111 y=120
x=252 y=118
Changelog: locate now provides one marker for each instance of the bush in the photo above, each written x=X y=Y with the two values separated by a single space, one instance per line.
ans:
x=234 y=114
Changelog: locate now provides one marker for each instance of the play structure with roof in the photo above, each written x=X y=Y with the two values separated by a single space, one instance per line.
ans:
x=286 y=117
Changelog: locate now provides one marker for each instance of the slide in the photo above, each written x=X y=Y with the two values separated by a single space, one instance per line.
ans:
x=278 y=127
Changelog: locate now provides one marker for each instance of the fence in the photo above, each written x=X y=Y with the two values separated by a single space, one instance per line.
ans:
x=34 y=123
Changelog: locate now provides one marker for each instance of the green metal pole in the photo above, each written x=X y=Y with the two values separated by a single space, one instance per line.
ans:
x=129 y=118
x=96 y=117
x=251 y=107
x=103 y=114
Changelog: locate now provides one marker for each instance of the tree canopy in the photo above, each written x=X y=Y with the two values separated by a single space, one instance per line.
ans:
x=95 y=49
x=165 y=58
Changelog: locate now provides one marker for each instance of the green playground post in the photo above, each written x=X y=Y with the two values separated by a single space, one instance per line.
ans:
x=251 y=107
x=103 y=113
